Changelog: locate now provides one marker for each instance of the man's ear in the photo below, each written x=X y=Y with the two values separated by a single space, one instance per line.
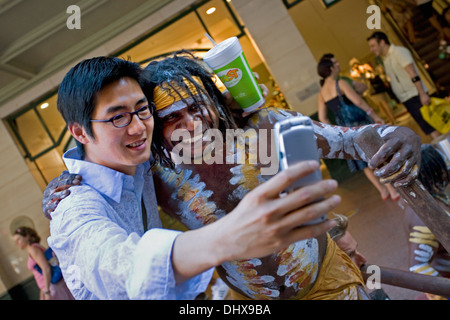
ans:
x=78 y=133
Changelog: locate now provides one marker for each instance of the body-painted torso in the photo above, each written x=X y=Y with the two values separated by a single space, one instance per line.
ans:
x=201 y=194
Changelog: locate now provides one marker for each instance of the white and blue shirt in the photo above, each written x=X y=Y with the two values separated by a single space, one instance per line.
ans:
x=98 y=235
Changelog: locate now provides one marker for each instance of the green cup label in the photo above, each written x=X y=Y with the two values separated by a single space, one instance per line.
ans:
x=230 y=77
x=239 y=80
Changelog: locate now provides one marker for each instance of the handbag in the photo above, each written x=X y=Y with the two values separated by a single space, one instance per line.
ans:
x=350 y=115
x=54 y=266
x=437 y=114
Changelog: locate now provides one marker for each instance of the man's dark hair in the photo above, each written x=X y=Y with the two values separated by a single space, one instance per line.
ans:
x=79 y=89
x=172 y=70
x=378 y=35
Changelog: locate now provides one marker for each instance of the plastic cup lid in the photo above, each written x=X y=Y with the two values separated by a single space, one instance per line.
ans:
x=222 y=46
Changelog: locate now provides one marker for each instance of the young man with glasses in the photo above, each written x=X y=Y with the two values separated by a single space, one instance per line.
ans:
x=107 y=233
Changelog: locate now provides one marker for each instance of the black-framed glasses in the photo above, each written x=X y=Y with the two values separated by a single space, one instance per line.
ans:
x=123 y=119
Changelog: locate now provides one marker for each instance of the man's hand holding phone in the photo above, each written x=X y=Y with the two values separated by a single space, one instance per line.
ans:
x=296 y=142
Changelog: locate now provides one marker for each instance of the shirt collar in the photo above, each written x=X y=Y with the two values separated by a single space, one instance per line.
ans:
x=103 y=179
x=391 y=49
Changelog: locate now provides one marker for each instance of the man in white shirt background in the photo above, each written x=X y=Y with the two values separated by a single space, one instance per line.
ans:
x=406 y=84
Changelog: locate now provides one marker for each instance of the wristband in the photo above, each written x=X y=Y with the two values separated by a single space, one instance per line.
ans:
x=415 y=79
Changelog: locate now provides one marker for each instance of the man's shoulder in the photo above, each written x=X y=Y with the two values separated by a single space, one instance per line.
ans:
x=83 y=204
x=400 y=48
x=82 y=196
x=401 y=51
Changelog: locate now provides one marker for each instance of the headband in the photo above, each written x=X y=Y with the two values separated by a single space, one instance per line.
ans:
x=166 y=95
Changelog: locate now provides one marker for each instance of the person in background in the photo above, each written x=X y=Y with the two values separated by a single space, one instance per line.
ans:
x=402 y=71
x=358 y=86
x=27 y=239
x=426 y=255
x=335 y=90
x=345 y=241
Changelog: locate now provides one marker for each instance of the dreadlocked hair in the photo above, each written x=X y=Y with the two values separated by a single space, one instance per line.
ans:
x=173 y=70
x=433 y=171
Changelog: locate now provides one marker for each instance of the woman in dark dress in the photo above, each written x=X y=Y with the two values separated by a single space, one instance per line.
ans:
x=334 y=93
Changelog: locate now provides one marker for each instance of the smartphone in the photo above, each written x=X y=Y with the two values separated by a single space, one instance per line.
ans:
x=296 y=142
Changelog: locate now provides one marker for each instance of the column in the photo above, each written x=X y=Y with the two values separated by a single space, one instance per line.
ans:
x=283 y=49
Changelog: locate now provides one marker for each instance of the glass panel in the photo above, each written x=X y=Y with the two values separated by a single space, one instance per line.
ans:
x=37 y=174
x=51 y=117
x=33 y=133
x=187 y=33
x=220 y=23
x=51 y=165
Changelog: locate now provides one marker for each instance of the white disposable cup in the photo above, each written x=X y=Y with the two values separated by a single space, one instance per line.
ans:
x=228 y=62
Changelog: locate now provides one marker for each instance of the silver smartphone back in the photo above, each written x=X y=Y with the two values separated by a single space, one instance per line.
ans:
x=296 y=142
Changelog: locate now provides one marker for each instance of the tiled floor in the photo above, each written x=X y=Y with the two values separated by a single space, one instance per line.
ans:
x=378 y=225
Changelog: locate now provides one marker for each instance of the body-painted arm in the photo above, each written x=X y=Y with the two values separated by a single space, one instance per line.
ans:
x=396 y=161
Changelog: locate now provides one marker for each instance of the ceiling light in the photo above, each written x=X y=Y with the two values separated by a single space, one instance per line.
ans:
x=211 y=10
x=44 y=105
